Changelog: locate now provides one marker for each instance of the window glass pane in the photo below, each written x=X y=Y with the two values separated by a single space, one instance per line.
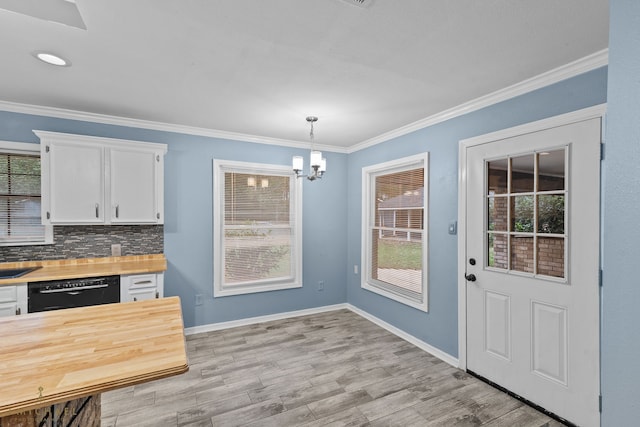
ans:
x=253 y=254
x=497 y=215
x=551 y=170
x=522 y=254
x=398 y=261
x=522 y=214
x=551 y=256
x=522 y=173
x=396 y=255
x=256 y=199
x=28 y=185
x=497 y=171
x=399 y=198
x=20 y=199
x=534 y=240
x=551 y=214
x=497 y=255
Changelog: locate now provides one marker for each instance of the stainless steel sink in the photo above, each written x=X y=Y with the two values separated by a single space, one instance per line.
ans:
x=12 y=273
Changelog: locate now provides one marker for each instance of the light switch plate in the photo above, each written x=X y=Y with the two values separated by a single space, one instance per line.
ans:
x=453 y=227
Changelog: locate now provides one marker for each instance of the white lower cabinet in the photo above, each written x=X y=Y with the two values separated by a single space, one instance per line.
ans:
x=138 y=287
x=13 y=299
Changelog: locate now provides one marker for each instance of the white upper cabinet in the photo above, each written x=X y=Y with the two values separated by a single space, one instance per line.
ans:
x=133 y=173
x=92 y=180
x=76 y=183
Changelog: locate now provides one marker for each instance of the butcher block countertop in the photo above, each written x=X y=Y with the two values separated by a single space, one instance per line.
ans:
x=86 y=267
x=62 y=355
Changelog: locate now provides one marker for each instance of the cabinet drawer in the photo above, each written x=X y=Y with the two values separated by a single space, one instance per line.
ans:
x=141 y=281
x=8 y=309
x=8 y=294
x=143 y=294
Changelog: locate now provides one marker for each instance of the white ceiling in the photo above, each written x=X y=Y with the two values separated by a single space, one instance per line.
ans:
x=259 y=67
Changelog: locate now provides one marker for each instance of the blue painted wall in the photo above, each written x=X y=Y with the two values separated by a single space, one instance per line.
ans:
x=621 y=234
x=439 y=327
x=189 y=217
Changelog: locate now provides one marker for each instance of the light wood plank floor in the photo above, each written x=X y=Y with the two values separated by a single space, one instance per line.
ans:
x=328 y=369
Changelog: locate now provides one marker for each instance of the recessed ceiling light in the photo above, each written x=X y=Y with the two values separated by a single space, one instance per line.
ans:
x=52 y=59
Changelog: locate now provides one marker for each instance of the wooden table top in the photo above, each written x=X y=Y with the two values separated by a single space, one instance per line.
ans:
x=87 y=267
x=56 y=356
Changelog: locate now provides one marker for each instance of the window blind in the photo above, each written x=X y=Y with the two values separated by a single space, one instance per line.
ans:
x=20 y=220
x=258 y=229
x=397 y=230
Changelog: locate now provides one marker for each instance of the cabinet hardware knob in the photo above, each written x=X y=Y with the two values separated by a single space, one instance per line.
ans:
x=97 y=210
x=117 y=211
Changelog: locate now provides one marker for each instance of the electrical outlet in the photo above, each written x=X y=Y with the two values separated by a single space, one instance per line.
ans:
x=355 y=269
x=198 y=299
x=321 y=285
x=116 y=249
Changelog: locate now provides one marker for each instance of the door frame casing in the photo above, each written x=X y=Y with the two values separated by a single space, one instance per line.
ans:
x=597 y=111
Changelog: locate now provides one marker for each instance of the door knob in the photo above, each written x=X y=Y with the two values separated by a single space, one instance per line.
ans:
x=470 y=277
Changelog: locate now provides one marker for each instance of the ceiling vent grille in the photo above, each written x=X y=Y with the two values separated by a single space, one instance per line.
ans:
x=359 y=3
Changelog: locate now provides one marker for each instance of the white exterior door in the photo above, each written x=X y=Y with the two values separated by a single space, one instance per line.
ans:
x=532 y=264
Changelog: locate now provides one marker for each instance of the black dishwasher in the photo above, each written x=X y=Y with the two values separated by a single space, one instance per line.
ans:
x=69 y=293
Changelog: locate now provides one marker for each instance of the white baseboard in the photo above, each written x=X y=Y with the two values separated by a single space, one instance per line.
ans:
x=436 y=352
x=445 y=357
x=261 y=319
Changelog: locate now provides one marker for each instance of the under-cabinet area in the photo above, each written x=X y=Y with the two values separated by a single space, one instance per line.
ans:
x=93 y=180
x=82 y=282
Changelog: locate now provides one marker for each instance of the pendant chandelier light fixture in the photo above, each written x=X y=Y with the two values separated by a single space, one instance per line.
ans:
x=318 y=163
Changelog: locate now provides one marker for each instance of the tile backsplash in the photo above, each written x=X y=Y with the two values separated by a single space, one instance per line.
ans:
x=90 y=241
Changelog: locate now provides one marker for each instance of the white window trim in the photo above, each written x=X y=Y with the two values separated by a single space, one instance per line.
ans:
x=31 y=149
x=219 y=168
x=392 y=166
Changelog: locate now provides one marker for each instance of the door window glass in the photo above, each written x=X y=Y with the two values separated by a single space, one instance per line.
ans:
x=526 y=213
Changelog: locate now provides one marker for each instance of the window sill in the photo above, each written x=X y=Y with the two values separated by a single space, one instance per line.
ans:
x=252 y=289
x=7 y=244
x=419 y=305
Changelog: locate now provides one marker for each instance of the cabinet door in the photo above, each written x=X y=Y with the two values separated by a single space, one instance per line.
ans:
x=76 y=183
x=142 y=294
x=134 y=190
x=8 y=309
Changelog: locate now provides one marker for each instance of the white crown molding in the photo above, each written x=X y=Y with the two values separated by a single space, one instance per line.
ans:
x=62 y=113
x=572 y=69
x=580 y=66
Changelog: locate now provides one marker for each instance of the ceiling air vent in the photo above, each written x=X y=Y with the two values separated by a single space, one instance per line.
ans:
x=359 y=3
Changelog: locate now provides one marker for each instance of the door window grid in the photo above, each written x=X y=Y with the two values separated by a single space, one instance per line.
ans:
x=526 y=222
